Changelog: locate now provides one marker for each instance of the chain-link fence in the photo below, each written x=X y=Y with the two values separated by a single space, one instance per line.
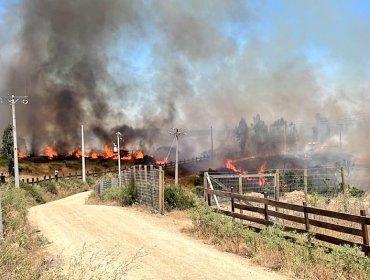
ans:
x=148 y=181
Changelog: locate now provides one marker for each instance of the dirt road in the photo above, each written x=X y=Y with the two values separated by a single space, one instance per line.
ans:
x=164 y=251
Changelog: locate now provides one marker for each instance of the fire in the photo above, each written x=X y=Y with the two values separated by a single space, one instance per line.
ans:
x=49 y=152
x=261 y=179
x=126 y=157
x=94 y=155
x=139 y=155
x=162 y=162
x=230 y=165
x=22 y=155
x=77 y=153
x=108 y=152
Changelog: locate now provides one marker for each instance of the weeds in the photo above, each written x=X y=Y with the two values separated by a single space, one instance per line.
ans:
x=89 y=263
x=124 y=195
x=270 y=248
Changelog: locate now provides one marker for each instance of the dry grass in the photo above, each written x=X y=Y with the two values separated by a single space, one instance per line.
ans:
x=302 y=259
x=88 y=263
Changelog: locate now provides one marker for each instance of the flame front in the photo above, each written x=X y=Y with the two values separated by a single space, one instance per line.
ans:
x=230 y=165
x=162 y=162
x=49 y=152
x=139 y=155
x=261 y=179
x=23 y=154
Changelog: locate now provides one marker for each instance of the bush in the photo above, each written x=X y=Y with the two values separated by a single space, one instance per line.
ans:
x=125 y=195
x=131 y=194
x=34 y=192
x=198 y=191
x=49 y=186
x=114 y=194
x=175 y=197
x=355 y=192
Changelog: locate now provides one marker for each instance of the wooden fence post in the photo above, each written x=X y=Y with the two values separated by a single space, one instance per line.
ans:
x=232 y=201
x=32 y=181
x=277 y=185
x=305 y=185
x=161 y=190
x=306 y=218
x=266 y=209
x=365 y=233
x=240 y=186
x=134 y=171
x=205 y=184
x=344 y=190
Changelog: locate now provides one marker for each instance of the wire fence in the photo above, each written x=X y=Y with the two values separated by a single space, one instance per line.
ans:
x=148 y=181
x=279 y=182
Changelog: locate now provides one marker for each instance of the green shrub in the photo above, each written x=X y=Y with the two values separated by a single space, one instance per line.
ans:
x=355 y=192
x=176 y=197
x=34 y=192
x=49 y=186
x=114 y=194
x=131 y=194
x=125 y=195
x=198 y=191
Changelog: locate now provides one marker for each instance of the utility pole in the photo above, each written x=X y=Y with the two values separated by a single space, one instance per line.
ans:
x=83 y=155
x=119 y=135
x=12 y=100
x=177 y=132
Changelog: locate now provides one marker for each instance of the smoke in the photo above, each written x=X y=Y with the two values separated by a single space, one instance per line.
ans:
x=142 y=67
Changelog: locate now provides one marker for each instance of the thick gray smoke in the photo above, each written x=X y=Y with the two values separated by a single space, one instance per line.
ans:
x=142 y=67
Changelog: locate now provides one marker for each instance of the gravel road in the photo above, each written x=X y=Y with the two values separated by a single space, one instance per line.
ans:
x=156 y=243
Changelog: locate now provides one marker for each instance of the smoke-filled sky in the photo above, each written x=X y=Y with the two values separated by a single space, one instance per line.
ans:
x=145 y=66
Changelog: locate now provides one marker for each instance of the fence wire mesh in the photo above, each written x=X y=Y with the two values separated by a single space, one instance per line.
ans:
x=146 y=180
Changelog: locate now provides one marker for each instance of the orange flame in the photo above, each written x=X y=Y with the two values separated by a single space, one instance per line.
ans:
x=261 y=179
x=108 y=152
x=230 y=165
x=49 y=152
x=126 y=157
x=22 y=155
x=162 y=162
x=138 y=155
x=94 y=155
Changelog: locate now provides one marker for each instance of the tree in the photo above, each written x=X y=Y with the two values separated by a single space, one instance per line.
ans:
x=7 y=143
x=7 y=148
x=241 y=133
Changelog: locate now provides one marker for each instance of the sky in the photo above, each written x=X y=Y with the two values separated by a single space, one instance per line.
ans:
x=202 y=63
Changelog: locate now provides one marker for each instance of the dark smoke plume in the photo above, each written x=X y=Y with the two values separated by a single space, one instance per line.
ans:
x=142 y=67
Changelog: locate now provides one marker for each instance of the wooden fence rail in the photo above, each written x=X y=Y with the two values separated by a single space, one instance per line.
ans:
x=362 y=220
x=36 y=180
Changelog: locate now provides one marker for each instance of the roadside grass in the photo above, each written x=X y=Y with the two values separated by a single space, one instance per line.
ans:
x=303 y=259
x=21 y=254
x=126 y=195
x=90 y=263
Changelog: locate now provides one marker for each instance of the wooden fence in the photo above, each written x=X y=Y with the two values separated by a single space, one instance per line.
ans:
x=36 y=180
x=265 y=213
x=186 y=161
